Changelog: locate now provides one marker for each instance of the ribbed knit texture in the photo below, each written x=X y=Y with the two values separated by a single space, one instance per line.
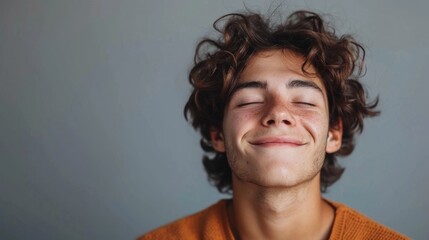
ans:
x=350 y=224
x=212 y=223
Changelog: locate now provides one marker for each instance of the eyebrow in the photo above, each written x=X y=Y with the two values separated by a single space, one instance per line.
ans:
x=251 y=84
x=297 y=83
x=304 y=83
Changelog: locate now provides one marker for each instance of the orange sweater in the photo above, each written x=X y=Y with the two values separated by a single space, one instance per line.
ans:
x=212 y=223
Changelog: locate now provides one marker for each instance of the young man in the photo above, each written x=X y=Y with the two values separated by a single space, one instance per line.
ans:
x=275 y=105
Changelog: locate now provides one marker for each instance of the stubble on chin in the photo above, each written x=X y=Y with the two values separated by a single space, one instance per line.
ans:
x=319 y=159
x=241 y=168
x=237 y=165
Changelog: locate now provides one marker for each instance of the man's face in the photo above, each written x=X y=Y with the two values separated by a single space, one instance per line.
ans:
x=276 y=124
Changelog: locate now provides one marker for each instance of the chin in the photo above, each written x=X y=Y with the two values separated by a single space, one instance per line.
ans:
x=274 y=183
x=281 y=177
x=276 y=177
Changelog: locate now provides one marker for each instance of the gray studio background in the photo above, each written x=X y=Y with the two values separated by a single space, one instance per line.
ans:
x=93 y=143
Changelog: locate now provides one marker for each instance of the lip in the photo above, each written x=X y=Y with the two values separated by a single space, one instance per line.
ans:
x=277 y=141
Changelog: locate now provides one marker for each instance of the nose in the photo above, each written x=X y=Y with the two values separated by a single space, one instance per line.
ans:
x=278 y=113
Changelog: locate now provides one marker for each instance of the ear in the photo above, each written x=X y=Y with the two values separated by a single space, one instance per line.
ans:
x=335 y=138
x=217 y=140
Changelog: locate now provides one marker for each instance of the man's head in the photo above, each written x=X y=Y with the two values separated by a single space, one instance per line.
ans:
x=277 y=103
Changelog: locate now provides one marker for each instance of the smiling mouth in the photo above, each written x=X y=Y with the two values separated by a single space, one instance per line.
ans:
x=277 y=141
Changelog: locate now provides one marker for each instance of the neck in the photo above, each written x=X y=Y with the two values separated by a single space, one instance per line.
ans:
x=280 y=213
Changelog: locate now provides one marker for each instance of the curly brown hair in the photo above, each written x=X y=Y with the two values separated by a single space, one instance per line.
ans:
x=218 y=63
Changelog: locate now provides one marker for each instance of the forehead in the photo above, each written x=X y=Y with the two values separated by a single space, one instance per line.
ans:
x=279 y=63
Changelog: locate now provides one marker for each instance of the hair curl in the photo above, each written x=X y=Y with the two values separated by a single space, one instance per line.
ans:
x=218 y=63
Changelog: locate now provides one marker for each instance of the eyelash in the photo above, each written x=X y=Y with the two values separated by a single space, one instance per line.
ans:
x=306 y=103
x=247 y=103
x=300 y=103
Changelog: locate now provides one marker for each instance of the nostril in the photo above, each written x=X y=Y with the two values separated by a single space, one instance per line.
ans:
x=286 y=122
x=270 y=122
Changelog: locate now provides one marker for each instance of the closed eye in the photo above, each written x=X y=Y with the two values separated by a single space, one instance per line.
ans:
x=306 y=104
x=248 y=103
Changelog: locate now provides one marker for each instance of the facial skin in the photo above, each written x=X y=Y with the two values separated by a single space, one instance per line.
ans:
x=276 y=124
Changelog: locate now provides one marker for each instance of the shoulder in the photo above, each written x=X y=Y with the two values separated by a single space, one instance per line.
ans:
x=350 y=224
x=210 y=223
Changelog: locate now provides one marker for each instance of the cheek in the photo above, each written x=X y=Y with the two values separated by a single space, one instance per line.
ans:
x=237 y=123
x=315 y=122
